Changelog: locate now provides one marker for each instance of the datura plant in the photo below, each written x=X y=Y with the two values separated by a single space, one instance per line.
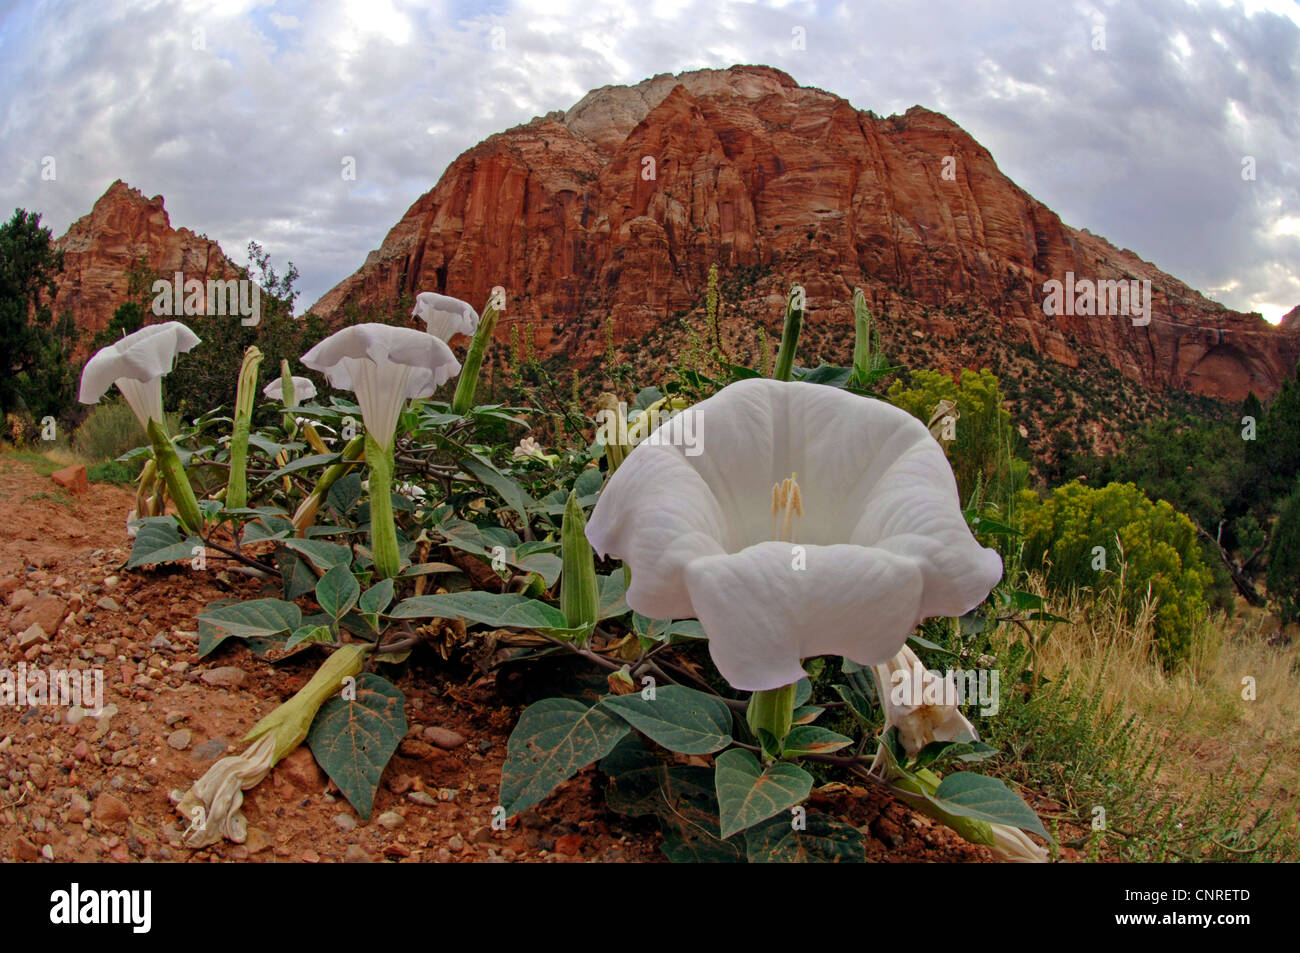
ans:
x=384 y=366
x=444 y=316
x=136 y=365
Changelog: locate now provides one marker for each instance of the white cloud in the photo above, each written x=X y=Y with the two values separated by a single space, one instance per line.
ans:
x=1141 y=142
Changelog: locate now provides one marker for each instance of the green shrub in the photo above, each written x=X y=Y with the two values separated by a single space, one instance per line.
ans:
x=108 y=431
x=1284 y=558
x=113 y=471
x=1147 y=547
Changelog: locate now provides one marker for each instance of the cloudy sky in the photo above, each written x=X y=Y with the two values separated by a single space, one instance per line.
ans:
x=241 y=112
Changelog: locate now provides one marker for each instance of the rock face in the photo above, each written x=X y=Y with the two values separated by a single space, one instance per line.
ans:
x=617 y=207
x=100 y=248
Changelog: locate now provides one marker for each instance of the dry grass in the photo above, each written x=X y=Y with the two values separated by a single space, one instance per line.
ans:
x=1208 y=727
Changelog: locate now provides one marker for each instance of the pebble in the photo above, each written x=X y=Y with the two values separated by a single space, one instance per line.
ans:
x=444 y=738
x=225 y=676
x=456 y=842
x=108 y=604
x=110 y=810
x=346 y=822
x=356 y=854
x=422 y=797
x=179 y=739
x=390 y=820
x=209 y=750
x=32 y=635
x=172 y=717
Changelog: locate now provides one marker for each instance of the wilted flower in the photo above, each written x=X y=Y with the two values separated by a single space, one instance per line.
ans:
x=904 y=684
x=303 y=389
x=846 y=560
x=1014 y=846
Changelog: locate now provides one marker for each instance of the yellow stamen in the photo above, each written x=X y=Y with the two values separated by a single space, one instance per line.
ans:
x=787 y=504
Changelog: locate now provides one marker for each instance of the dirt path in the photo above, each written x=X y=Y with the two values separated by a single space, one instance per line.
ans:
x=74 y=787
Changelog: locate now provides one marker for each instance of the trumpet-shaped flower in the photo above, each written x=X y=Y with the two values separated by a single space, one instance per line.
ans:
x=137 y=364
x=445 y=316
x=383 y=366
x=1014 y=846
x=807 y=521
x=303 y=389
x=904 y=687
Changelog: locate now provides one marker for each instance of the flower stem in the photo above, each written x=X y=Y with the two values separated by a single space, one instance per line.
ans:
x=178 y=484
x=770 y=716
x=383 y=530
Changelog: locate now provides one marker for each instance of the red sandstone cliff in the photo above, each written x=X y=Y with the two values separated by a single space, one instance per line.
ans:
x=100 y=248
x=751 y=169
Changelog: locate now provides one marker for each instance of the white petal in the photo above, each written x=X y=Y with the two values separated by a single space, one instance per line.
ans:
x=763 y=615
x=445 y=316
x=383 y=366
x=212 y=805
x=872 y=478
x=143 y=355
x=1014 y=846
x=303 y=389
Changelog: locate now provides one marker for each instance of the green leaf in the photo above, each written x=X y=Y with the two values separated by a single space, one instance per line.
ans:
x=376 y=599
x=303 y=463
x=508 y=487
x=309 y=633
x=296 y=575
x=354 y=739
x=937 y=752
x=824 y=841
x=968 y=794
x=337 y=591
x=809 y=739
x=611 y=595
x=256 y=619
x=663 y=630
x=504 y=610
x=344 y=494
x=802 y=692
x=554 y=740
x=323 y=555
x=748 y=794
x=158 y=540
x=681 y=719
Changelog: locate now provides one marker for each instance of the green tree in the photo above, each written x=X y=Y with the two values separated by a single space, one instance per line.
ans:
x=38 y=377
x=1115 y=538
x=1284 y=558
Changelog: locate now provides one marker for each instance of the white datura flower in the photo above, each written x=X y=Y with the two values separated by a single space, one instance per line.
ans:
x=529 y=448
x=383 y=366
x=137 y=364
x=920 y=703
x=303 y=389
x=445 y=316
x=1014 y=846
x=804 y=521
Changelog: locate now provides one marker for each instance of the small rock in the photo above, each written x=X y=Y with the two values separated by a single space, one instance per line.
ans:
x=569 y=844
x=172 y=717
x=356 y=854
x=423 y=798
x=309 y=857
x=226 y=676
x=20 y=598
x=444 y=738
x=25 y=851
x=456 y=842
x=108 y=604
x=73 y=479
x=32 y=635
x=257 y=841
x=390 y=820
x=346 y=822
x=78 y=809
x=160 y=642
x=420 y=750
x=110 y=582
x=209 y=750
x=110 y=810
x=300 y=769
x=179 y=739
